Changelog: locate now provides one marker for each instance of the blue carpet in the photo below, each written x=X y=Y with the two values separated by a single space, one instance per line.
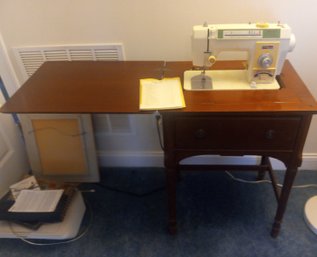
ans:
x=216 y=217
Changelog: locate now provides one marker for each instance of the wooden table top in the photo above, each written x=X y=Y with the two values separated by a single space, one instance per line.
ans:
x=113 y=87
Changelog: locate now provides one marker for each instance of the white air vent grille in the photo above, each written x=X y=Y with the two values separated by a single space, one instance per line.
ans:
x=53 y=55
x=31 y=58
x=81 y=54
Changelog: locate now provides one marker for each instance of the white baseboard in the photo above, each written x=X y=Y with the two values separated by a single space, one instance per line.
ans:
x=156 y=159
x=309 y=161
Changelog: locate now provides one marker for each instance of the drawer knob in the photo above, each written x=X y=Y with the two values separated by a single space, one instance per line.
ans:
x=200 y=134
x=270 y=134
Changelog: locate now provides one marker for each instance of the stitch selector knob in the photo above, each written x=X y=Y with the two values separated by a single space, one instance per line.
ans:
x=265 y=61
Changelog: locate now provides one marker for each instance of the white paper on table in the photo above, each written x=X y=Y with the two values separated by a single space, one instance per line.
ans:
x=161 y=94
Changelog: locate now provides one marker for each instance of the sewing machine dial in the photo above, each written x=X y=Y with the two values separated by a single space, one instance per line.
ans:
x=265 y=61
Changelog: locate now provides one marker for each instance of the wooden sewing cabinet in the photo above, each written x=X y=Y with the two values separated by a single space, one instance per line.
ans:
x=266 y=123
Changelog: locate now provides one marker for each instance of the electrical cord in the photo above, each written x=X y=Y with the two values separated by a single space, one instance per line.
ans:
x=158 y=126
x=265 y=181
x=129 y=192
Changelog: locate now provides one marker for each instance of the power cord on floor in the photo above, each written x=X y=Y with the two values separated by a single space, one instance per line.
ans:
x=265 y=181
x=131 y=193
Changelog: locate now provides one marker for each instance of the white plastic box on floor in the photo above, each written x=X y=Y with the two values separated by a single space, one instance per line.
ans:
x=310 y=213
x=66 y=229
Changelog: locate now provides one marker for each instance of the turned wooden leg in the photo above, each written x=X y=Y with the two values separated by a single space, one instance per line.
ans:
x=282 y=203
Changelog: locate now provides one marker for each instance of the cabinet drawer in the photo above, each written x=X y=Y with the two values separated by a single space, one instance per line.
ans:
x=236 y=133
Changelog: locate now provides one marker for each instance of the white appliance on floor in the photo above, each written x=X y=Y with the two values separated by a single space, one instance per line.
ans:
x=310 y=213
x=66 y=229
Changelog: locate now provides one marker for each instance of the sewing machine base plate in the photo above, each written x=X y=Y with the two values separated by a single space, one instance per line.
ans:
x=225 y=80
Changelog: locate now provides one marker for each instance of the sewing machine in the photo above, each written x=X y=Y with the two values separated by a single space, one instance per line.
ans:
x=265 y=45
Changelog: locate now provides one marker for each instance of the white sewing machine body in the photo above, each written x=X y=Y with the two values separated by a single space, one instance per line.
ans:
x=266 y=46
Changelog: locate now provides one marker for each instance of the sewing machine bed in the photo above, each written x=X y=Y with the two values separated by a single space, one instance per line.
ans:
x=227 y=80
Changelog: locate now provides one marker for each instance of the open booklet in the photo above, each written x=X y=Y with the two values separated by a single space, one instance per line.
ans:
x=37 y=201
x=36 y=206
x=161 y=94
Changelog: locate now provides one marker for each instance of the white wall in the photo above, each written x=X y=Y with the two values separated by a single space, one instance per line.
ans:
x=156 y=30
